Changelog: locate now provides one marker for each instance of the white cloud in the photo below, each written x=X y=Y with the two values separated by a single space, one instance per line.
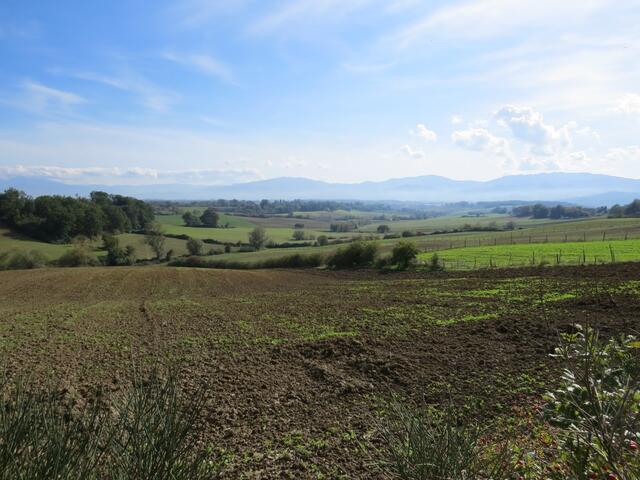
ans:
x=130 y=175
x=456 y=120
x=423 y=132
x=628 y=104
x=626 y=155
x=411 y=153
x=495 y=18
x=293 y=13
x=480 y=139
x=203 y=63
x=528 y=126
x=152 y=97
x=39 y=98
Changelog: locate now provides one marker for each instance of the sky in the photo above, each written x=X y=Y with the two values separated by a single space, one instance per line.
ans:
x=227 y=91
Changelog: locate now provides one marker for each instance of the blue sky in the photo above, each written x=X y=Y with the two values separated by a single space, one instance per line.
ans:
x=222 y=91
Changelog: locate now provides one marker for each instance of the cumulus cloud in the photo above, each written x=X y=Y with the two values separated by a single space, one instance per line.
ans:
x=528 y=126
x=629 y=104
x=411 y=153
x=423 y=132
x=481 y=140
x=630 y=154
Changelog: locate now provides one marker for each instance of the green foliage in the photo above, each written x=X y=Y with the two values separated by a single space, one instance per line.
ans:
x=597 y=406
x=322 y=240
x=289 y=261
x=58 y=218
x=590 y=428
x=191 y=219
x=403 y=254
x=79 y=256
x=209 y=218
x=258 y=238
x=116 y=255
x=383 y=229
x=440 y=445
x=22 y=260
x=148 y=432
x=435 y=264
x=356 y=254
x=298 y=235
x=154 y=237
x=195 y=246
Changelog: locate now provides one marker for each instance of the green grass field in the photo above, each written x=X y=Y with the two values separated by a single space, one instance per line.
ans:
x=11 y=241
x=570 y=253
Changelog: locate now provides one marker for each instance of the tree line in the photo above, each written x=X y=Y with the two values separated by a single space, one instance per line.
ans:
x=539 y=210
x=58 y=219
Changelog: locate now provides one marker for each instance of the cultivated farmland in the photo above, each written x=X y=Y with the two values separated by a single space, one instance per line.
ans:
x=298 y=364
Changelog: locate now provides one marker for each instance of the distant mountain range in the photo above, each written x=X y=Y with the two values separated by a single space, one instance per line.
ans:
x=581 y=188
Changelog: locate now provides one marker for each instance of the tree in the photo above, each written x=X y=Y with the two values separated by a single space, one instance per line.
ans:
x=191 y=219
x=322 y=240
x=403 y=254
x=209 y=218
x=556 y=212
x=298 y=235
x=156 y=240
x=195 y=246
x=539 y=211
x=383 y=229
x=117 y=255
x=258 y=237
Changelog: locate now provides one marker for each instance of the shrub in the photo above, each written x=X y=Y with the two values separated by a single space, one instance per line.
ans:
x=354 y=255
x=258 y=238
x=408 y=233
x=116 y=255
x=383 y=229
x=590 y=426
x=435 y=265
x=150 y=431
x=78 y=256
x=439 y=445
x=23 y=260
x=289 y=261
x=195 y=246
x=403 y=254
x=597 y=406
x=322 y=240
x=299 y=235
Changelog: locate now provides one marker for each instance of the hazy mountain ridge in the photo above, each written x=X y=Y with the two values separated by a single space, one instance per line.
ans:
x=585 y=188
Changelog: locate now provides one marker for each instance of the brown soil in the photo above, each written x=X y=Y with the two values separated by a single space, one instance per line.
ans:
x=298 y=363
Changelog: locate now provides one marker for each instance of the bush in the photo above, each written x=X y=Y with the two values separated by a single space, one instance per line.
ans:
x=298 y=235
x=289 y=261
x=322 y=240
x=354 y=255
x=78 y=256
x=597 y=406
x=435 y=265
x=258 y=238
x=439 y=445
x=21 y=260
x=590 y=427
x=148 y=432
x=403 y=254
x=195 y=246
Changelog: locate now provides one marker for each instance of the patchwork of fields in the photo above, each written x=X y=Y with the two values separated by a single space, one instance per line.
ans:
x=297 y=363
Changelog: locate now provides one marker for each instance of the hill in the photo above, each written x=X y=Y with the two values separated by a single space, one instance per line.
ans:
x=585 y=188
